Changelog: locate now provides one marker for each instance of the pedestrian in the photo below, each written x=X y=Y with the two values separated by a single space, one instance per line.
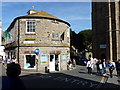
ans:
x=104 y=66
x=12 y=81
x=118 y=67
x=93 y=61
x=89 y=66
x=74 y=63
x=8 y=60
x=111 y=68
x=70 y=64
x=99 y=67
x=56 y=64
x=14 y=59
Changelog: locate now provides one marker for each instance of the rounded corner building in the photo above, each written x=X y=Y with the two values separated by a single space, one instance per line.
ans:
x=39 y=40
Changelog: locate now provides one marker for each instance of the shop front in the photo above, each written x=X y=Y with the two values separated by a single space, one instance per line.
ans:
x=52 y=60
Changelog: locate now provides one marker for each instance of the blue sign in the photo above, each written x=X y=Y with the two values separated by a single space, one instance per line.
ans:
x=37 y=51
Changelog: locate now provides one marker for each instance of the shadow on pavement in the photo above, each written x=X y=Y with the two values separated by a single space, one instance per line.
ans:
x=59 y=80
x=111 y=85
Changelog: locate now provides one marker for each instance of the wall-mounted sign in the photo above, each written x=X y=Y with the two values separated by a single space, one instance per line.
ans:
x=64 y=57
x=43 y=58
x=102 y=45
x=28 y=42
x=37 y=51
x=55 y=52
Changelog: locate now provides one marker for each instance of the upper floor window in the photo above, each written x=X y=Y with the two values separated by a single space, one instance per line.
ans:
x=55 y=35
x=30 y=26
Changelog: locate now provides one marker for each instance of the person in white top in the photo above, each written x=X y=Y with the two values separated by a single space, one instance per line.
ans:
x=14 y=59
x=89 y=66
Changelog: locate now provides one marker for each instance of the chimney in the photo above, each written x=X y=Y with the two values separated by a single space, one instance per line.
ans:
x=32 y=11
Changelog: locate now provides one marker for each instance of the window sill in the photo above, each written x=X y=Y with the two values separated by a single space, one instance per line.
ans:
x=30 y=33
x=55 y=39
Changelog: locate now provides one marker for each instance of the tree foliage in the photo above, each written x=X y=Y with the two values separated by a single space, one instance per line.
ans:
x=81 y=40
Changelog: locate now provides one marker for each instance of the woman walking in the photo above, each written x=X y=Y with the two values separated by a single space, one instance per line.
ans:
x=89 y=66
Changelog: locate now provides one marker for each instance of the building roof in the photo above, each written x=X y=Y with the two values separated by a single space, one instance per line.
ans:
x=32 y=10
x=41 y=14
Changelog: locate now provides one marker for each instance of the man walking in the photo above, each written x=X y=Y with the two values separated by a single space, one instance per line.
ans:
x=118 y=67
x=111 y=68
x=104 y=65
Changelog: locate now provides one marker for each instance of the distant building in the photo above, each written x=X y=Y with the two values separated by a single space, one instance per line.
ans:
x=106 y=30
x=2 y=53
x=38 y=40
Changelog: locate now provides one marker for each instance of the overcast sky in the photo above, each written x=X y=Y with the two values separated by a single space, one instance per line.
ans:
x=78 y=14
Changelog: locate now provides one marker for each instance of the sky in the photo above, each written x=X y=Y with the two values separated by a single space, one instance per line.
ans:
x=77 y=14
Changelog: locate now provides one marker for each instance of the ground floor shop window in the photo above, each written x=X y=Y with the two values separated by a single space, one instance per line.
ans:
x=30 y=61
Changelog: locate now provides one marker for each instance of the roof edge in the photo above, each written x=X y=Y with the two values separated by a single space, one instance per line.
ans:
x=21 y=17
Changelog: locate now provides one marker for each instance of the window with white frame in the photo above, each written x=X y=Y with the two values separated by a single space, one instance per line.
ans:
x=30 y=27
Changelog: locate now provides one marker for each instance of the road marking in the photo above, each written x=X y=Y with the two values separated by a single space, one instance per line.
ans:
x=83 y=82
x=102 y=80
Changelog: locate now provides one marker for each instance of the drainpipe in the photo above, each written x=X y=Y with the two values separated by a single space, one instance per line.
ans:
x=110 y=32
x=18 y=38
x=117 y=27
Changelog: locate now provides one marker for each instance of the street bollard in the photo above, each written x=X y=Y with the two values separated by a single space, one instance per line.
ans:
x=46 y=69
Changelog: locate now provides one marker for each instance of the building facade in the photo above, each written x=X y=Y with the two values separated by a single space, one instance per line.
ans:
x=2 y=53
x=106 y=30
x=38 y=40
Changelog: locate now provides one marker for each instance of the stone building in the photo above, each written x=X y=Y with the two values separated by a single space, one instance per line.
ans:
x=106 y=30
x=2 y=53
x=38 y=40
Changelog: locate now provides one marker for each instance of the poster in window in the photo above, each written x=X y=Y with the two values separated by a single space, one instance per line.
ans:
x=64 y=57
x=43 y=59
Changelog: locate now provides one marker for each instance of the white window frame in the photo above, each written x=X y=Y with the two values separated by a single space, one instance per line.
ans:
x=31 y=26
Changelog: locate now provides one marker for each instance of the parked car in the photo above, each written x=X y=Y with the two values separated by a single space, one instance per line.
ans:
x=80 y=60
x=83 y=61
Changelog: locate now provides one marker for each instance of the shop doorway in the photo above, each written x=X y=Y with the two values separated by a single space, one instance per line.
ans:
x=30 y=61
x=54 y=64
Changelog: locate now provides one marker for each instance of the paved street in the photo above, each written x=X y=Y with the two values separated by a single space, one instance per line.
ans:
x=0 y=75
x=77 y=78
x=65 y=79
